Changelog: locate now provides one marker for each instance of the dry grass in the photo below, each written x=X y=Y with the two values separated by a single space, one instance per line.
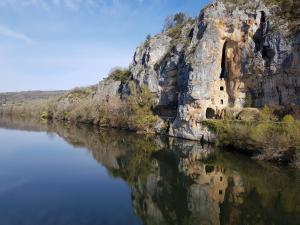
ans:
x=79 y=106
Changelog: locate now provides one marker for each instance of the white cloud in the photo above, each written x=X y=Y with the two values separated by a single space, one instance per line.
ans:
x=7 y=32
x=69 y=4
x=23 y=3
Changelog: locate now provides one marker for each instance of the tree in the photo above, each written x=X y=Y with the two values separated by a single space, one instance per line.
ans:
x=174 y=20
x=148 y=37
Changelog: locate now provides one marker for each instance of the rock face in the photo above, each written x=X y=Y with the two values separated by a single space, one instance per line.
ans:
x=107 y=90
x=230 y=57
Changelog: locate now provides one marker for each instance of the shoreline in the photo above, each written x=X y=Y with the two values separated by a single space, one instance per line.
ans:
x=292 y=161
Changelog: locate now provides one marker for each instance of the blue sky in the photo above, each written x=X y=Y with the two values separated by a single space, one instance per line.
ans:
x=62 y=44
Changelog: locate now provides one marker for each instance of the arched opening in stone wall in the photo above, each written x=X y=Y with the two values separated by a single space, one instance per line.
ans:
x=210 y=113
x=223 y=74
x=221 y=88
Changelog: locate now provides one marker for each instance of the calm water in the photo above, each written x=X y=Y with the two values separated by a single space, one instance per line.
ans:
x=64 y=175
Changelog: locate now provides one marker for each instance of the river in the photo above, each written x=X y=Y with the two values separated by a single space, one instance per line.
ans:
x=58 y=174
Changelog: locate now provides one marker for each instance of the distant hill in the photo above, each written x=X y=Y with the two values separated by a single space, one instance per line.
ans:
x=26 y=96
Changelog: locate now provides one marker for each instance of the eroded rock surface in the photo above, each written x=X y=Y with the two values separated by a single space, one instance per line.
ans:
x=230 y=57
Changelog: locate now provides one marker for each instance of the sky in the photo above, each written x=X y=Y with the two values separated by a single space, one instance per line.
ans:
x=62 y=44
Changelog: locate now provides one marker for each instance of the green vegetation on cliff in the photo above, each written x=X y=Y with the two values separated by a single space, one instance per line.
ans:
x=141 y=104
x=120 y=74
x=80 y=93
x=268 y=136
x=286 y=9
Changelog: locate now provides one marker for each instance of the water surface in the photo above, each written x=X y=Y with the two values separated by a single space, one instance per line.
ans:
x=56 y=174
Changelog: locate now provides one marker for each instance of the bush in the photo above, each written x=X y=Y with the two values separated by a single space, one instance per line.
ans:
x=288 y=119
x=44 y=116
x=248 y=102
x=80 y=93
x=175 y=20
x=141 y=104
x=268 y=135
x=175 y=32
x=267 y=115
x=119 y=74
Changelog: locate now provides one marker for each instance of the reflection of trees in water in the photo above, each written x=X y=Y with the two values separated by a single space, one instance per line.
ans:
x=270 y=196
x=181 y=182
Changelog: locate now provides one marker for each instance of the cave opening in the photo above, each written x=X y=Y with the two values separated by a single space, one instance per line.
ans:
x=263 y=17
x=210 y=113
x=268 y=55
x=191 y=34
x=209 y=169
x=259 y=36
x=168 y=100
x=223 y=63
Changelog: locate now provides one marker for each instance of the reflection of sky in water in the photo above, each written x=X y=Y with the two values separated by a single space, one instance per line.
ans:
x=44 y=180
x=5 y=187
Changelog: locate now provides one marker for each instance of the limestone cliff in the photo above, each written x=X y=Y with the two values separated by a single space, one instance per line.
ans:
x=230 y=57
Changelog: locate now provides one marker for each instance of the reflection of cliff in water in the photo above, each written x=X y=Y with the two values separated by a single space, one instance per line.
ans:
x=180 y=182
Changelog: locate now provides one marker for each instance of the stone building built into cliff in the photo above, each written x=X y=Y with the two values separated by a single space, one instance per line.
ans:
x=219 y=101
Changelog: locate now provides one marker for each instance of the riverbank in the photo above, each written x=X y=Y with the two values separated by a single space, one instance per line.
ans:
x=265 y=137
x=84 y=105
